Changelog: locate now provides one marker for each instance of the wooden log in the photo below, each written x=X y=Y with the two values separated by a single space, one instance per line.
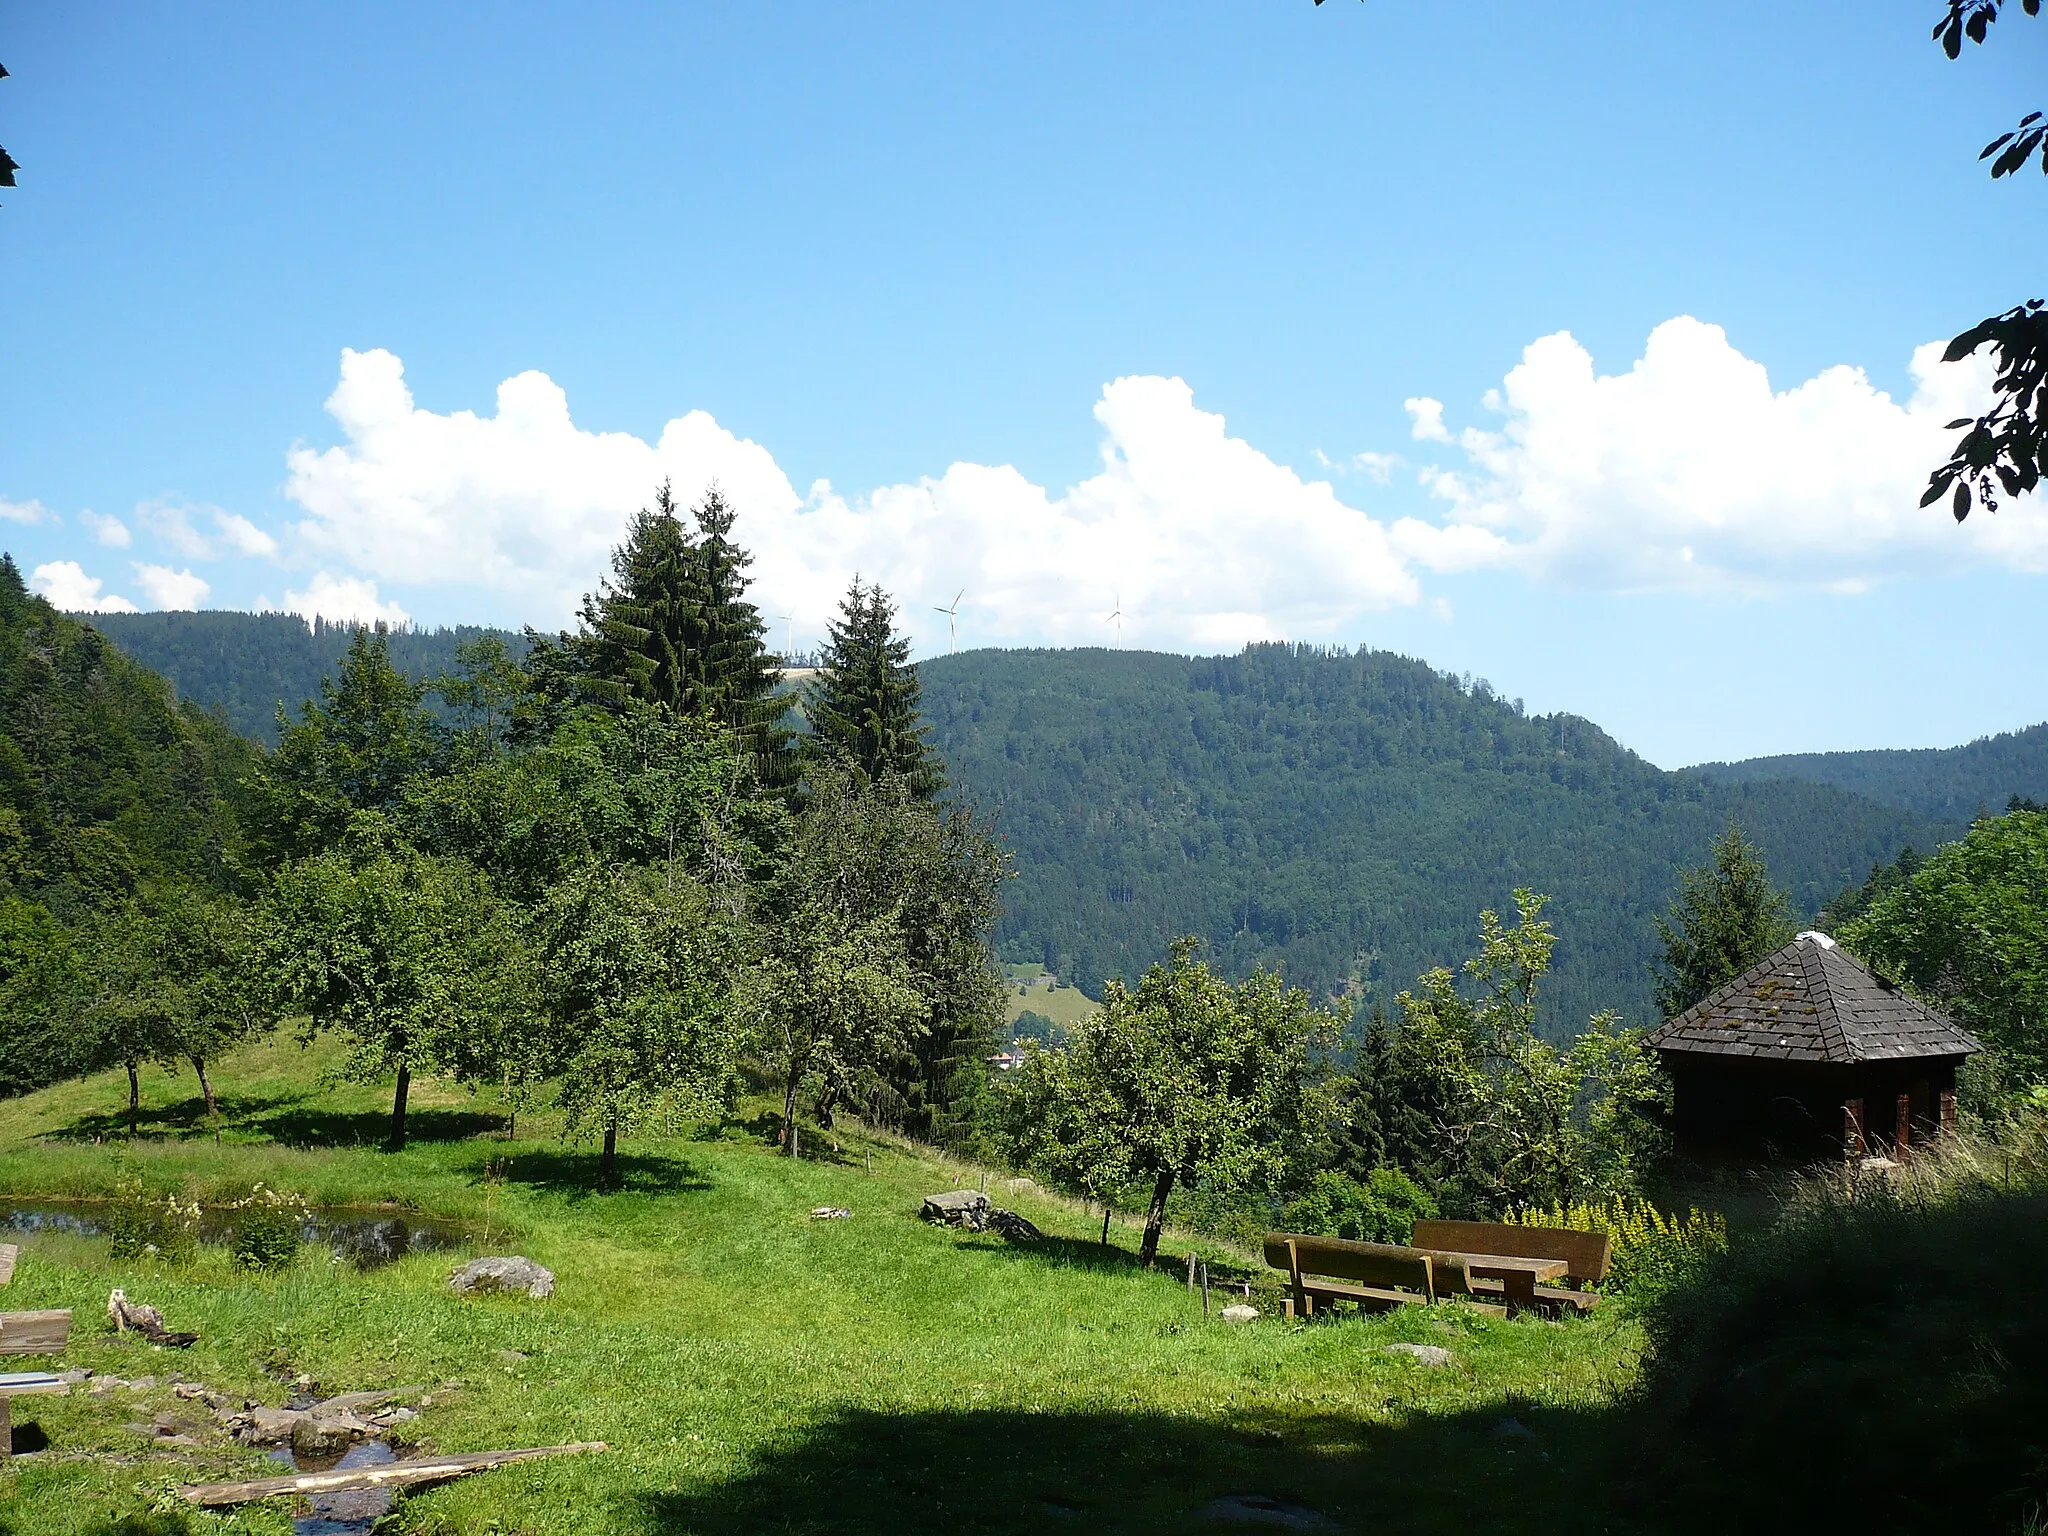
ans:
x=35 y=1333
x=396 y=1474
x=9 y=1253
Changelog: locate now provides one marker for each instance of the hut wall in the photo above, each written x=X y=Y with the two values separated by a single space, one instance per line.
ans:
x=1792 y=1111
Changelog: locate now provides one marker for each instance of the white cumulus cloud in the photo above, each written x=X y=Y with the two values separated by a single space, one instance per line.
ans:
x=30 y=512
x=349 y=599
x=109 y=530
x=241 y=536
x=1689 y=470
x=1202 y=539
x=166 y=588
x=67 y=587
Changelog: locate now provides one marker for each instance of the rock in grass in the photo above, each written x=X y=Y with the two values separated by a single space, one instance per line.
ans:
x=505 y=1273
x=967 y=1208
x=831 y=1213
x=1238 y=1312
x=1421 y=1354
x=1013 y=1226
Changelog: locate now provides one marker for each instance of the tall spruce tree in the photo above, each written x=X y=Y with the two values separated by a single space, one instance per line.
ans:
x=672 y=626
x=865 y=705
x=1726 y=916
x=735 y=672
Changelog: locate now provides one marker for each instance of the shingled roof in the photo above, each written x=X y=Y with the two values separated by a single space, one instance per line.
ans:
x=1812 y=1001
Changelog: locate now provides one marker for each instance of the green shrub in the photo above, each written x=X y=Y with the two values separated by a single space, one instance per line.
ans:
x=146 y=1225
x=1382 y=1209
x=1647 y=1248
x=269 y=1225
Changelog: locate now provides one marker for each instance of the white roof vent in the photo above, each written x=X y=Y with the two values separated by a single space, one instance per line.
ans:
x=1815 y=936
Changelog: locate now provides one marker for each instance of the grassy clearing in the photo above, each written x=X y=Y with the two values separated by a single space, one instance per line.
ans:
x=1037 y=989
x=755 y=1370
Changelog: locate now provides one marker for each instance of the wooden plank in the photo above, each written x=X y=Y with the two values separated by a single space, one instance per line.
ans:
x=9 y=1253
x=32 y=1383
x=35 y=1333
x=1588 y=1253
x=397 y=1474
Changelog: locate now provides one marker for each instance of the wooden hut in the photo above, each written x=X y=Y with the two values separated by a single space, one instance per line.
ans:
x=1810 y=1054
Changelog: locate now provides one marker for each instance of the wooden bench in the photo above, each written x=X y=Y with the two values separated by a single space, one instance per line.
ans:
x=1384 y=1275
x=35 y=1333
x=9 y=1253
x=1585 y=1255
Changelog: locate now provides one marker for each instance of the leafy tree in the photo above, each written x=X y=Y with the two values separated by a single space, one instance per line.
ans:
x=634 y=991
x=40 y=1038
x=1969 y=930
x=2006 y=448
x=357 y=749
x=1383 y=1207
x=411 y=955
x=483 y=691
x=881 y=854
x=1518 y=1121
x=1184 y=1078
x=864 y=704
x=1725 y=918
x=833 y=998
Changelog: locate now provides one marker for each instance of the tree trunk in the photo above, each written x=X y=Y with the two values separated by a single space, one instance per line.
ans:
x=608 y=1164
x=206 y=1092
x=1155 y=1217
x=134 y=1098
x=827 y=1102
x=398 y=1109
x=789 y=1112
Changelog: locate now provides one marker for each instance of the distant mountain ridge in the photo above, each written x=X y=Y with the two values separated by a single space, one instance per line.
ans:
x=1950 y=784
x=1342 y=815
x=1346 y=816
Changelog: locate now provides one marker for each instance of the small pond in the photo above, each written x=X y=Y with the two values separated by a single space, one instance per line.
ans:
x=364 y=1238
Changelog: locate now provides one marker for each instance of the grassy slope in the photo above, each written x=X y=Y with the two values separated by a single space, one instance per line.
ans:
x=752 y=1369
x=1035 y=988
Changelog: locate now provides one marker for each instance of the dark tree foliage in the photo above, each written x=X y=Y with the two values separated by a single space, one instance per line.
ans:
x=865 y=705
x=1725 y=918
x=2005 y=449
x=1366 y=1098
x=673 y=627
x=359 y=748
x=1852 y=901
x=1954 y=785
x=105 y=781
x=248 y=665
x=1343 y=815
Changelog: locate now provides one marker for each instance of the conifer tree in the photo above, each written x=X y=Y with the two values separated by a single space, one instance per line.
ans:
x=865 y=706
x=1725 y=918
x=735 y=674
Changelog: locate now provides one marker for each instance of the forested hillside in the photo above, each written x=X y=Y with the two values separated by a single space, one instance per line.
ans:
x=248 y=663
x=105 y=780
x=1346 y=815
x=1952 y=784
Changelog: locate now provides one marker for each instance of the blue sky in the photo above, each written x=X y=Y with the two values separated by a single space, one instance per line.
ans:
x=1193 y=310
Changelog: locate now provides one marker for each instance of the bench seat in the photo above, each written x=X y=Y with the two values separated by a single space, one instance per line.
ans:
x=1586 y=1254
x=1383 y=1275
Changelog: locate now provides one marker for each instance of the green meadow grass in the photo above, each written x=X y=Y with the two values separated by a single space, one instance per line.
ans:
x=750 y=1368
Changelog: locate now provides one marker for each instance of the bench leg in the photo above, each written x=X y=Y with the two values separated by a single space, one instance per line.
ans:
x=1518 y=1290
x=6 y=1426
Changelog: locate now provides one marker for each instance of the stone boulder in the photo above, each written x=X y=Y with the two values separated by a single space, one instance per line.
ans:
x=967 y=1208
x=503 y=1274
x=1013 y=1226
x=1421 y=1354
x=1238 y=1312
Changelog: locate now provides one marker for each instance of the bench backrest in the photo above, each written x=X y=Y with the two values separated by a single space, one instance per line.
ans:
x=35 y=1333
x=1367 y=1263
x=1585 y=1253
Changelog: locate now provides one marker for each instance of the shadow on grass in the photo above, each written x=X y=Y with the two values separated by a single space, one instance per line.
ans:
x=1058 y=1252
x=574 y=1173
x=923 y=1474
x=288 y=1120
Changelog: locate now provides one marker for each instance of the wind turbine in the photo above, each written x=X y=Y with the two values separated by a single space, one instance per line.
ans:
x=952 y=617
x=1117 y=618
x=787 y=621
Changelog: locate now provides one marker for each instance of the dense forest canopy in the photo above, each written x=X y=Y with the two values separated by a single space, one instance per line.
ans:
x=248 y=664
x=1951 y=784
x=1344 y=816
